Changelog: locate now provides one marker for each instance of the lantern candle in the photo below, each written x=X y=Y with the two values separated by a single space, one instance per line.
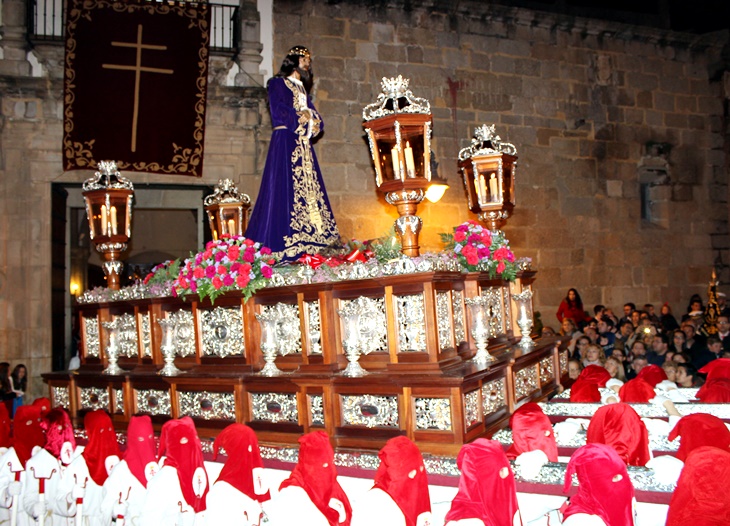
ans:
x=114 y=220
x=103 y=220
x=493 y=189
x=231 y=227
x=483 y=188
x=410 y=164
x=394 y=157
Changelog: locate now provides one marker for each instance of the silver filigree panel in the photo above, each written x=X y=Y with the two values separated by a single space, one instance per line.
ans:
x=493 y=396
x=472 y=415
x=443 y=320
x=127 y=335
x=458 y=305
x=411 y=322
x=507 y=310
x=372 y=323
x=208 y=406
x=370 y=411
x=274 y=407
x=222 y=332
x=91 y=339
x=433 y=413
x=118 y=401
x=94 y=398
x=184 y=336
x=60 y=397
x=288 y=330
x=546 y=370
x=153 y=401
x=525 y=381
x=493 y=295
x=563 y=357
x=316 y=410
x=146 y=335
x=315 y=328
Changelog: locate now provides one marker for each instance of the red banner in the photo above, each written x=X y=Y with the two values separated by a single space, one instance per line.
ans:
x=135 y=85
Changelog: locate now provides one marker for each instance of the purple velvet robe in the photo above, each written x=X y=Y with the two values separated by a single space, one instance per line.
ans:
x=292 y=215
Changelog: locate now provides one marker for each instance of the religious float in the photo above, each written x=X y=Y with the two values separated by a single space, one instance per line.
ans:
x=433 y=346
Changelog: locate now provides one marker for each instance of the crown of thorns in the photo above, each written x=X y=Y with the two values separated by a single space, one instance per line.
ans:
x=300 y=51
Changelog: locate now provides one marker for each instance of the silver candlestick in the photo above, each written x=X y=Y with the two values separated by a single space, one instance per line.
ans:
x=479 y=309
x=350 y=315
x=269 y=321
x=523 y=300
x=168 y=348
x=112 y=349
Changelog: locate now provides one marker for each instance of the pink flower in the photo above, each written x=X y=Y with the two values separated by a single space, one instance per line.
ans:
x=193 y=286
x=266 y=271
x=500 y=267
x=235 y=267
x=222 y=270
x=183 y=283
x=209 y=271
x=483 y=253
x=265 y=251
x=503 y=253
x=249 y=254
x=459 y=236
x=228 y=280
x=217 y=283
x=242 y=280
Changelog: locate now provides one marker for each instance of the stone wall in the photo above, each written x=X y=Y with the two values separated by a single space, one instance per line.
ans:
x=598 y=112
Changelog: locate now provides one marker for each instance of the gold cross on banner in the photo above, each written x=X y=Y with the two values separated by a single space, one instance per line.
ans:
x=138 y=69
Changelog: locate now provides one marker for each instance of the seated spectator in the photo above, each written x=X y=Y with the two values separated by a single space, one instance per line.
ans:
x=694 y=309
x=548 y=332
x=670 y=369
x=701 y=497
x=637 y=364
x=659 y=348
x=723 y=331
x=574 y=369
x=619 y=426
x=605 y=494
x=694 y=342
x=651 y=314
x=710 y=352
x=628 y=309
x=487 y=489
x=682 y=357
x=594 y=356
x=636 y=319
x=687 y=376
x=677 y=341
x=400 y=493
x=615 y=368
x=311 y=495
x=569 y=328
x=606 y=334
x=581 y=344
x=623 y=339
x=591 y=332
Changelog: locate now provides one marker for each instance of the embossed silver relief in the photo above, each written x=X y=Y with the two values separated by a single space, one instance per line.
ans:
x=222 y=330
x=433 y=413
x=127 y=335
x=563 y=363
x=507 y=310
x=91 y=340
x=153 y=401
x=288 y=332
x=546 y=370
x=443 y=320
x=525 y=381
x=94 y=398
x=316 y=410
x=315 y=330
x=184 y=332
x=274 y=407
x=146 y=335
x=60 y=397
x=118 y=401
x=411 y=322
x=370 y=411
x=458 y=305
x=208 y=406
x=493 y=396
x=472 y=414
x=493 y=296
x=373 y=325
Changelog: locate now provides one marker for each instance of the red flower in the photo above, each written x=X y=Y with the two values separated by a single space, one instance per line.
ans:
x=217 y=283
x=228 y=280
x=459 y=236
x=248 y=242
x=183 y=283
x=503 y=253
x=222 y=270
x=265 y=251
x=233 y=252
x=199 y=272
x=249 y=254
x=246 y=269
x=500 y=267
x=266 y=271
x=242 y=280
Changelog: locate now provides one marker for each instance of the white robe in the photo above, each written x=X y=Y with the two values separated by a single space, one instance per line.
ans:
x=122 y=482
x=76 y=473
x=227 y=506
x=43 y=463
x=293 y=506
x=7 y=476
x=165 y=505
x=376 y=507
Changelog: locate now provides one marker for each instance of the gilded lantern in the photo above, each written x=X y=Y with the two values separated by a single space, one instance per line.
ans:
x=108 y=197
x=488 y=168
x=398 y=127
x=227 y=209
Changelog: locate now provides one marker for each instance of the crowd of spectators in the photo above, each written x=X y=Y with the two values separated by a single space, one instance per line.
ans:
x=627 y=343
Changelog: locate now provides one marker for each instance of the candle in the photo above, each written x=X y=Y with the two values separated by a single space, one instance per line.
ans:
x=494 y=197
x=394 y=157
x=103 y=220
x=232 y=227
x=483 y=188
x=114 y=221
x=523 y=312
x=410 y=164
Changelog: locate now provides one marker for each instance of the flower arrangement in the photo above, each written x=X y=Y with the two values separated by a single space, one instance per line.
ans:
x=478 y=249
x=229 y=263
x=162 y=273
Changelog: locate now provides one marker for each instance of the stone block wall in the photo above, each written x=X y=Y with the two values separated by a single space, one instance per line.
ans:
x=585 y=102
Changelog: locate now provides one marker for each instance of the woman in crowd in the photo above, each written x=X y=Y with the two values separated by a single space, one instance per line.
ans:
x=581 y=344
x=19 y=383
x=616 y=368
x=670 y=368
x=667 y=321
x=594 y=356
x=568 y=328
x=6 y=387
x=677 y=342
x=572 y=307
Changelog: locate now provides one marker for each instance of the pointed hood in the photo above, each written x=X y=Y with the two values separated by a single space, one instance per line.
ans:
x=619 y=426
x=242 y=449
x=532 y=430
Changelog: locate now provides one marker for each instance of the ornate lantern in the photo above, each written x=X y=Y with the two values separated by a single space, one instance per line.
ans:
x=488 y=168
x=227 y=209
x=398 y=127
x=108 y=198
